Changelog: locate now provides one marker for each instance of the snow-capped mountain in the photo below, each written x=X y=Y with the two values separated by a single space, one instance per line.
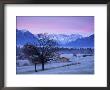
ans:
x=83 y=42
x=64 y=39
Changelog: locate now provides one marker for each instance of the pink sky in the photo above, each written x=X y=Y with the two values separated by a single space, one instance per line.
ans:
x=83 y=25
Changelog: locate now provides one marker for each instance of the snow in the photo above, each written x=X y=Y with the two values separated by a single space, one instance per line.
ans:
x=20 y=63
x=66 y=55
x=65 y=38
x=77 y=65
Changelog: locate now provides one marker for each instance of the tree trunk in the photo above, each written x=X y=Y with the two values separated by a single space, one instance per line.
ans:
x=35 y=68
x=42 y=64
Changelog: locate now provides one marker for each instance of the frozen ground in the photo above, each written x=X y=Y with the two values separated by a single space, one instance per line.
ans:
x=77 y=65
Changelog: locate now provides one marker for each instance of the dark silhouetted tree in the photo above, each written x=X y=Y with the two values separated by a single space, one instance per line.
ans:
x=47 y=48
x=44 y=50
x=31 y=53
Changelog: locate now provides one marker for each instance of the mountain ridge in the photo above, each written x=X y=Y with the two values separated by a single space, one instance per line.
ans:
x=72 y=40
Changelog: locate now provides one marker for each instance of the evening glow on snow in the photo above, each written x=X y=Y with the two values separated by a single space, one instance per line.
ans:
x=83 y=25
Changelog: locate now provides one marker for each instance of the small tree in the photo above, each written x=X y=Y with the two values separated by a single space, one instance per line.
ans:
x=31 y=53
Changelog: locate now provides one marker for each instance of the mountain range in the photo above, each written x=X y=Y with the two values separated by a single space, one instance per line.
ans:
x=72 y=40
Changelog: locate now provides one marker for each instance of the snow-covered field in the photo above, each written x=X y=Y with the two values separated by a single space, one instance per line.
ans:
x=76 y=65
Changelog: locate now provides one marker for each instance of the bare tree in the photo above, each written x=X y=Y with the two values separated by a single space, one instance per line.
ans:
x=44 y=50
x=47 y=48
